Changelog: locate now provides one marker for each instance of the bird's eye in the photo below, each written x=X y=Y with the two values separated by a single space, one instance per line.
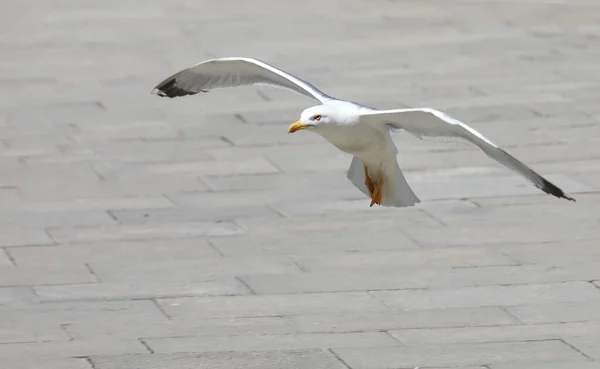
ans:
x=317 y=117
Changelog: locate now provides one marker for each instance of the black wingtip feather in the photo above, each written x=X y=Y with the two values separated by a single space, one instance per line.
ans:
x=553 y=190
x=169 y=88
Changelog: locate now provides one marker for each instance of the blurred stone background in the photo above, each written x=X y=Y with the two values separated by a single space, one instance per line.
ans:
x=139 y=232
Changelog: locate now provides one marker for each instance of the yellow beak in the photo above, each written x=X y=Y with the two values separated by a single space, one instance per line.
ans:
x=297 y=126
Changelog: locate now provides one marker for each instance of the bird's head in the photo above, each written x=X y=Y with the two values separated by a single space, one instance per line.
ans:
x=317 y=118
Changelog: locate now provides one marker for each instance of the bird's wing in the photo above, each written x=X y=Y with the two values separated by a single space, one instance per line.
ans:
x=425 y=122
x=233 y=72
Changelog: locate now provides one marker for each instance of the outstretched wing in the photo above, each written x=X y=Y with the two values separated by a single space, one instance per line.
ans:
x=425 y=122
x=233 y=72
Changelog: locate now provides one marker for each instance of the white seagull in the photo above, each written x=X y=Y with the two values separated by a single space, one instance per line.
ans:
x=355 y=129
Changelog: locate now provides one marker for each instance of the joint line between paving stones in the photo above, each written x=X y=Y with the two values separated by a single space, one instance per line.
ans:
x=338 y=358
x=263 y=95
x=169 y=199
x=214 y=247
x=439 y=221
x=226 y=140
x=9 y=256
x=420 y=245
x=113 y=216
x=207 y=183
x=280 y=214
x=594 y=284
x=473 y=202
x=160 y=308
x=387 y=332
x=241 y=118
x=252 y=292
x=88 y=359
x=47 y=232
x=576 y=349
x=300 y=267
x=97 y=173
x=64 y=327
x=145 y=344
x=92 y=272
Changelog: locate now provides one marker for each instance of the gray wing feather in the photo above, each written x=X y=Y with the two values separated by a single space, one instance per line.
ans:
x=425 y=122
x=233 y=72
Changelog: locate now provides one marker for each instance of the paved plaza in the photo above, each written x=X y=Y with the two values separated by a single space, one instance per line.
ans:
x=138 y=232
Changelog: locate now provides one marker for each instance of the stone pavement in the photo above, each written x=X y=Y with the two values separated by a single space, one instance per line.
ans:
x=139 y=232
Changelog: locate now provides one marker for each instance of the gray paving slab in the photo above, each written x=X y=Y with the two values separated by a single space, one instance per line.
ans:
x=272 y=342
x=270 y=305
x=139 y=232
x=140 y=327
x=123 y=251
x=491 y=295
x=458 y=354
x=305 y=359
x=430 y=318
x=46 y=362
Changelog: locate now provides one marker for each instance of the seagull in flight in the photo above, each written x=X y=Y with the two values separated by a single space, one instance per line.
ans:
x=355 y=129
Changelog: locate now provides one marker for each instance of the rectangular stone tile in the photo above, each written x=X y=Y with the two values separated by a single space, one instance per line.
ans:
x=392 y=260
x=526 y=332
x=490 y=296
x=45 y=362
x=279 y=153
x=75 y=348
x=151 y=216
x=457 y=354
x=376 y=220
x=55 y=219
x=83 y=204
x=24 y=237
x=191 y=270
x=272 y=181
x=566 y=254
x=548 y=365
x=16 y=296
x=195 y=168
x=367 y=279
x=142 y=327
x=535 y=313
x=57 y=111
x=310 y=242
x=237 y=199
x=143 y=232
x=143 y=251
x=269 y=342
x=352 y=203
x=154 y=151
x=339 y=281
x=532 y=232
x=313 y=359
x=13 y=330
x=400 y=319
x=270 y=305
x=45 y=274
x=98 y=312
x=131 y=130
x=140 y=290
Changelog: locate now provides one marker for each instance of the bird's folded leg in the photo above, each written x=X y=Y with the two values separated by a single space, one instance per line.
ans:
x=374 y=187
x=370 y=185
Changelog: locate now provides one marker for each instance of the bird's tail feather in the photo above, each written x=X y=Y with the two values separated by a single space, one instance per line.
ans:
x=396 y=191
